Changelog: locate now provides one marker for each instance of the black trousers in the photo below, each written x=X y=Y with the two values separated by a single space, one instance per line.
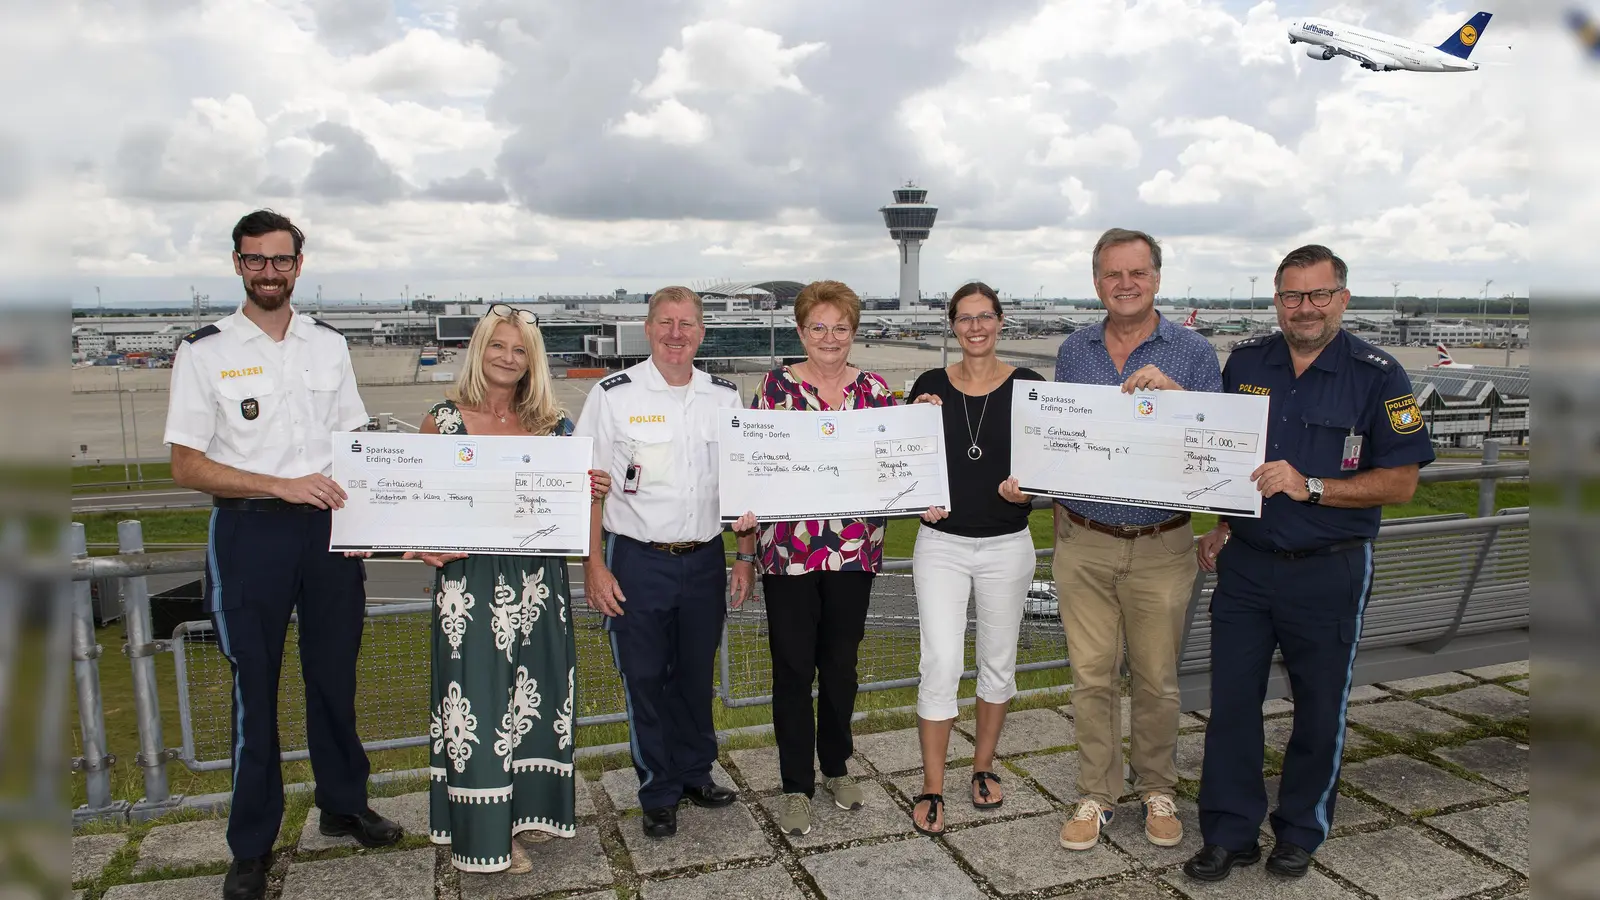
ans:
x=260 y=568
x=815 y=623
x=1311 y=608
x=665 y=647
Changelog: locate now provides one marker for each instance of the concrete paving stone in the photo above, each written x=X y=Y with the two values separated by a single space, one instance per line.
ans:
x=1489 y=701
x=1121 y=890
x=585 y=800
x=1253 y=883
x=1127 y=832
x=1277 y=706
x=705 y=836
x=1520 y=684
x=1190 y=720
x=184 y=845
x=1191 y=753
x=1278 y=731
x=1020 y=798
x=409 y=811
x=900 y=751
x=1428 y=682
x=79 y=895
x=1400 y=864
x=1348 y=812
x=905 y=870
x=559 y=864
x=759 y=768
x=1057 y=773
x=1026 y=855
x=879 y=816
x=1498 y=832
x=206 y=887
x=1365 y=693
x=1411 y=785
x=1505 y=670
x=1030 y=730
x=770 y=883
x=1501 y=761
x=91 y=852
x=622 y=785
x=406 y=875
x=1404 y=718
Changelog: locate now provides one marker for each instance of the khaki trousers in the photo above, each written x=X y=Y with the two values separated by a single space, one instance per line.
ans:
x=1108 y=589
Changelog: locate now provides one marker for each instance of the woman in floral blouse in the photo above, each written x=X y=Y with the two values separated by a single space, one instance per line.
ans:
x=817 y=575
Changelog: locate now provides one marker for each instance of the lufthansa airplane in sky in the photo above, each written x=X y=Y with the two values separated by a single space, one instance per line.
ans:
x=1386 y=53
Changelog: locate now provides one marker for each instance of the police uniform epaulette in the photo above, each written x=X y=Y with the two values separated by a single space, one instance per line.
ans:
x=1255 y=341
x=199 y=333
x=620 y=378
x=327 y=326
x=1371 y=355
x=723 y=382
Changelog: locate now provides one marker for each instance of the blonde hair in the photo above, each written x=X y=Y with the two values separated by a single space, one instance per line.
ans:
x=676 y=294
x=534 y=400
x=827 y=293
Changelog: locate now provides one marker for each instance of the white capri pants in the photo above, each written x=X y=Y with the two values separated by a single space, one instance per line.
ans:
x=947 y=569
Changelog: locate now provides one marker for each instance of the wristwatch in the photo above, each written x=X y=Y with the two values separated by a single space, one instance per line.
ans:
x=1314 y=488
x=745 y=557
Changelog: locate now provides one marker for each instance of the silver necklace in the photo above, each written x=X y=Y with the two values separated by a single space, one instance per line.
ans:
x=974 y=452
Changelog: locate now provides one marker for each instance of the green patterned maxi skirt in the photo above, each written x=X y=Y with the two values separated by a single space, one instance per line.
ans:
x=501 y=731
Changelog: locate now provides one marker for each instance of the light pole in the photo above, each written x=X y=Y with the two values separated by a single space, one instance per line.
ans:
x=1484 y=309
x=1436 y=293
x=1253 y=292
x=1396 y=309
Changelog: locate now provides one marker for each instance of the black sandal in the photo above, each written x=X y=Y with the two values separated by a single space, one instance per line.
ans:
x=934 y=801
x=982 y=779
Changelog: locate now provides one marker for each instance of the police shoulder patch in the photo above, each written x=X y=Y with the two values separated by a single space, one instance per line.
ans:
x=326 y=325
x=1256 y=341
x=1404 y=416
x=723 y=382
x=199 y=333
x=616 y=380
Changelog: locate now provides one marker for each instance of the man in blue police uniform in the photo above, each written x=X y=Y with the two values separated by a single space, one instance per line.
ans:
x=1344 y=437
x=655 y=566
x=255 y=399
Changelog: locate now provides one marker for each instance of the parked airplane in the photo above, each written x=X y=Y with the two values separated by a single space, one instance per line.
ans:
x=1193 y=324
x=1386 y=53
x=1446 y=361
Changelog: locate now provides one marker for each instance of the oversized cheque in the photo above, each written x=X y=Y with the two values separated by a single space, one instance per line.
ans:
x=1180 y=450
x=477 y=493
x=788 y=465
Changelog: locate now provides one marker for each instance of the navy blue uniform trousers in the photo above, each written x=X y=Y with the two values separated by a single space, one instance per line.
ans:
x=665 y=647
x=1311 y=608
x=260 y=568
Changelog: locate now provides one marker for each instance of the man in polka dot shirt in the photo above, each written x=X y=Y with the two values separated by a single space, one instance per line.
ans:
x=1127 y=570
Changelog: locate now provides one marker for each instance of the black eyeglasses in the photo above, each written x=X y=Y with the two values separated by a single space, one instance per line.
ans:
x=255 y=262
x=1319 y=298
x=528 y=316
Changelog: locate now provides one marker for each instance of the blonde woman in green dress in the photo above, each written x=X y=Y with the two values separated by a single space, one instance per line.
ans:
x=501 y=735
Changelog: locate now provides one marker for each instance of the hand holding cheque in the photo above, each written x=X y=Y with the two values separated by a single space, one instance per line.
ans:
x=477 y=494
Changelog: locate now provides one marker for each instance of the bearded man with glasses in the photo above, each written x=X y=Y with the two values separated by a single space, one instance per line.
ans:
x=1344 y=437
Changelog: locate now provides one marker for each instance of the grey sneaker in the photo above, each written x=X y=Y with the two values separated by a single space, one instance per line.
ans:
x=796 y=818
x=846 y=793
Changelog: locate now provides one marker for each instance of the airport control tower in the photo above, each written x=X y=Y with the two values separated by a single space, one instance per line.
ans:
x=910 y=219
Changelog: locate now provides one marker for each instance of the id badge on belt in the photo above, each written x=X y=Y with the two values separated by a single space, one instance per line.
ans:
x=1352 y=453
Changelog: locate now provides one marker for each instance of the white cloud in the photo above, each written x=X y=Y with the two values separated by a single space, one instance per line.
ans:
x=427 y=62
x=1227 y=156
x=727 y=57
x=669 y=121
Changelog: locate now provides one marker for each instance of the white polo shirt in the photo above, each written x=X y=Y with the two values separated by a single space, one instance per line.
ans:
x=670 y=436
x=263 y=406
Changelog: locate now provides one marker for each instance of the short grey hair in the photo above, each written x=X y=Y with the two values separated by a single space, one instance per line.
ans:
x=1116 y=236
x=675 y=294
x=1308 y=256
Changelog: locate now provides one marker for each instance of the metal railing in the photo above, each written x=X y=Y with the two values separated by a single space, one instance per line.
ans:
x=1438 y=578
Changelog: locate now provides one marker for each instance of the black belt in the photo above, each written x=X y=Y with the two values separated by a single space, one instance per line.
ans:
x=261 y=504
x=1339 y=547
x=677 y=548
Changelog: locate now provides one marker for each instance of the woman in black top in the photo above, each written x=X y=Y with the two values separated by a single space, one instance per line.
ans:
x=984 y=547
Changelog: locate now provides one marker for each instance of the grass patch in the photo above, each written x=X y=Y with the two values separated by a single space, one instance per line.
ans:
x=103 y=479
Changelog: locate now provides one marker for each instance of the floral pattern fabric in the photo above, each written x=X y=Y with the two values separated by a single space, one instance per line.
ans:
x=829 y=545
x=500 y=729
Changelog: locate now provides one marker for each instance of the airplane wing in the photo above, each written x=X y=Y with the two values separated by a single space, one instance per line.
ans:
x=1378 y=62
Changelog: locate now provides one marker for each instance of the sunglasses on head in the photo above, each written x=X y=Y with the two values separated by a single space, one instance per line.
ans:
x=505 y=309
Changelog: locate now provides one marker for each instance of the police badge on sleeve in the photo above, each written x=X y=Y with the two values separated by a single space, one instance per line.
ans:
x=1404 y=416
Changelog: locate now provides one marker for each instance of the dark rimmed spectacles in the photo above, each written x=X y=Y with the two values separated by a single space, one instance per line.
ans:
x=255 y=262
x=506 y=310
x=1319 y=298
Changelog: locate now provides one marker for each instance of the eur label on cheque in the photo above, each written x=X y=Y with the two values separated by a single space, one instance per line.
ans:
x=1181 y=450
x=787 y=465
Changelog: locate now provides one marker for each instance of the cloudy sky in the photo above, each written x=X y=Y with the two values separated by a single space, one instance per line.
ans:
x=533 y=146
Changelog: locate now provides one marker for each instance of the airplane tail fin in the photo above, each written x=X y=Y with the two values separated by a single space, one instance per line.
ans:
x=1192 y=314
x=1466 y=37
x=1444 y=355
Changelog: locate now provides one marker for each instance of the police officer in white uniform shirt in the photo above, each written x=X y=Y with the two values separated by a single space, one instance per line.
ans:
x=255 y=399
x=656 y=565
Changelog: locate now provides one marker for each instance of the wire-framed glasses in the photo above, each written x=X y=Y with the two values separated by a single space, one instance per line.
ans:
x=255 y=262
x=818 y=331
x=983 y=318
x=528 y=316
